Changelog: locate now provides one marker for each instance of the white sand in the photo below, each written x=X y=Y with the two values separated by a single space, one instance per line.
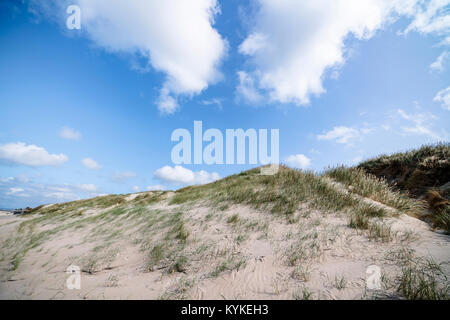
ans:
x=267 y=274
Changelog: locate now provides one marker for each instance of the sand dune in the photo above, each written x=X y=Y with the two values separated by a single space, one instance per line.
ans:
x=156 y=245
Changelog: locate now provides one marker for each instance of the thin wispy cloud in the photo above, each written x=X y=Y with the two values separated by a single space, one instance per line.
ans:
x=340 y=134
x=123 y=176
x=17 y=187
x=439 y=64
x=443 y=97
x=91 y=164
x=247 y=88
x=214 y=101
x=16 y=192
x=69 y=134
x=420 y=124
x=156 y=187
x=88 y=187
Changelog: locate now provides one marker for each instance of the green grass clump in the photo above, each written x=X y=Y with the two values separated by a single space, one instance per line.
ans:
x=360 y=216
x=441 y=219
x=281 y=193
x=419 y=173
x=427 y=157
x=182 y=233
x=423 y=281
x=358 y=221
x=155 y=257
x=229 y=264
x=233 y=219
x=368 y=185
x=379 y=231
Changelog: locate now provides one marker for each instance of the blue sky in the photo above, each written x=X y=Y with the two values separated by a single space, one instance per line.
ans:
x=91 y=111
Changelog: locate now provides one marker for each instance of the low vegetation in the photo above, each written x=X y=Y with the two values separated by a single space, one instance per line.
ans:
x=176 y=239
x=422 y=173
x=423 y=279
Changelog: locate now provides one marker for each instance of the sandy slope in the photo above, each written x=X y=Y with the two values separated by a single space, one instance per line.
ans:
x=258 y=255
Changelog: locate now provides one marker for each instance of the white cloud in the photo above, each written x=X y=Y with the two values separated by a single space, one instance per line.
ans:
x=293 y=45
x=428 y=16
x=29 y=155
x=181 y=175
x=166 y=103
x=62 y=196
x=123 y=176
x=58 y=188
x=341 y=134
x=247 y=89
x=445 y=42
x=91 y=163
x=438 y=65
x=88 y=187
x=298 y=161
x=156 y=187
x=422 y=124
x=443 y=97
x=357 y=159
x=253 y=44
x=15 y=190
x=366 y=130
x=175 y=37
x=136 y=188
x=38 y=192
x=213 y=101
x=70 y=134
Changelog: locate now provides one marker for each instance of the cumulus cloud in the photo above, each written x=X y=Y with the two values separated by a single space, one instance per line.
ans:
x=70 y=134
x=156 y=187
x=136 y=188
x=340 y=134
x=29 y=155
x=175 y=37
x=443 y=97
x=180 y=175
x=438 y=65
x=91 y=164
x=293 y=44
x=298 y=161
